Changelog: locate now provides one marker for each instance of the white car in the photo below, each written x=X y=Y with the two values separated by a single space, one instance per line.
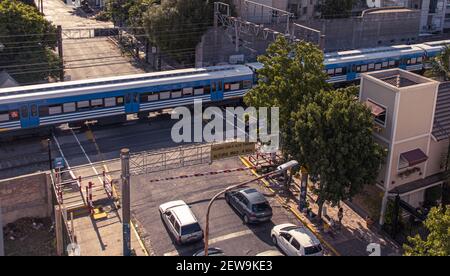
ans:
x=296 y=240
x=181 y=221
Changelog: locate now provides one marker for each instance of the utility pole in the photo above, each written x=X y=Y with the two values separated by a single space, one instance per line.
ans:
x=126 y=212
x=50 y=161
x=60 y=52
x=2 y=248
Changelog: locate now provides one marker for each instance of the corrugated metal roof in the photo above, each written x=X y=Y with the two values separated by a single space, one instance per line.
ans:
x=441 y=127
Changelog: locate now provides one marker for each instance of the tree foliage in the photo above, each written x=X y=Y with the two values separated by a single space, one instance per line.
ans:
x=337 y=8
x=437 y=242
x=328 y=131
x=176 y=26
x=28 y=39
x=440 y=65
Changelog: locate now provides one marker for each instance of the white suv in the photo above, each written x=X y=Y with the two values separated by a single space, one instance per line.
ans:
x=296 y=240
x=180 y=220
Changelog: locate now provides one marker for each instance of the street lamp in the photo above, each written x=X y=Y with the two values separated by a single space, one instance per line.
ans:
x=280 y=169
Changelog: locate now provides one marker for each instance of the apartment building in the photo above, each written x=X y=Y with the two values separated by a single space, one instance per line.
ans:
x=412 y=121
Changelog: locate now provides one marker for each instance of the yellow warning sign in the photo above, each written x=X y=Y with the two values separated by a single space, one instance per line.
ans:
x=229 y=149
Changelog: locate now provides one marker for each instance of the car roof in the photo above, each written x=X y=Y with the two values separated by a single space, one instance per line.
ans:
x=253 y=195
x=305 y=237
x=184 y=215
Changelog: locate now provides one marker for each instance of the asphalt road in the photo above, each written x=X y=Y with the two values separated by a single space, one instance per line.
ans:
x=227 y=230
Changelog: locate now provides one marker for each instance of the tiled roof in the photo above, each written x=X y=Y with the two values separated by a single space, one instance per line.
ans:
x=441 y=127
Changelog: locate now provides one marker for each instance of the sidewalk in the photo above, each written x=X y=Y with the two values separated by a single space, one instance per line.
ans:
x=351 y=239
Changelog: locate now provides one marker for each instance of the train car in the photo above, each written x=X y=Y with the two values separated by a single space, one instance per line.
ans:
x=31 y=107
x=347 y=66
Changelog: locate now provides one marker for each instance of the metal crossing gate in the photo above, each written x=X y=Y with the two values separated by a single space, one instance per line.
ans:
x=149 y=162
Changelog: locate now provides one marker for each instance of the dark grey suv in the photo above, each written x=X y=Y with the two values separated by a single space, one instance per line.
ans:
x=250 y=204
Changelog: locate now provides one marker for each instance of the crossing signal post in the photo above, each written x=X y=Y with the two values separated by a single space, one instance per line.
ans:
x=126 y=212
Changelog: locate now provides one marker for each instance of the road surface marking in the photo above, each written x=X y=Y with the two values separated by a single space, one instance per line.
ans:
x=218 y=239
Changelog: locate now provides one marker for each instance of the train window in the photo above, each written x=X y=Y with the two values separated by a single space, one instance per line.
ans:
x=363 y=68
x=235 y=86
x=4 y=116
x=97 y=103
x=34 y=110
x=338 y=71
x=43 y=111
x=199 y=91
x=188 y=91
x=109 y=102
x=176 y=94
x=24 y=112
x=220 y=85
x=226 y=87
x=207 y=89
x=136 y=97
x=413 y=60
x=392 y=63
x=213 y=86
x=164 y=95
x=358 y=68
x=419 y=59
x=14 y=115
x=54 y=109
x=371 y=67
x=119 y=100
x=69 y=107
x=247 y=84
x=152 y=97
x=385 y=64
x=378 y=66
x=330 y=72
x=83 y=105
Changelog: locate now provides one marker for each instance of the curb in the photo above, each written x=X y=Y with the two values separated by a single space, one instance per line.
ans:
x=295 y=212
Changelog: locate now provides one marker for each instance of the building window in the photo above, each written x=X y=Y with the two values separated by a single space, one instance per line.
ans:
x=378 y=112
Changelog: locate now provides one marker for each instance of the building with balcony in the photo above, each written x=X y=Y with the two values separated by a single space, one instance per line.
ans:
x=412 y=121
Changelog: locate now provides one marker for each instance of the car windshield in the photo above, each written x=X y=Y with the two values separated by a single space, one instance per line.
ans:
x=260 y=207
x=311 y=250
x=190 y=229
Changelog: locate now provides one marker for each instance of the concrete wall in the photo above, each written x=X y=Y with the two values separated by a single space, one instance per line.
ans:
x=25 y=196
x=372 y=29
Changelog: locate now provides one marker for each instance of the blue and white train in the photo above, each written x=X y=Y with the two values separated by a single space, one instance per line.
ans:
x=28 y=108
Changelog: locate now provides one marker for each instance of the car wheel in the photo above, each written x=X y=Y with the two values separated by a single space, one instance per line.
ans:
x=246 y=221
x=274 y=240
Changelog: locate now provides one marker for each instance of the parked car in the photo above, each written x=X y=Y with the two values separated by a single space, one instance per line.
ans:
x=250 y=204
x=296 y=240
x=270 y=253
x=181 y=221
x=212 y=251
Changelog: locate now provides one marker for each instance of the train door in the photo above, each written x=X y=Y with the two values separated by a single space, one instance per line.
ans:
x=29 y=116
x=131 y=103
x=216 y=90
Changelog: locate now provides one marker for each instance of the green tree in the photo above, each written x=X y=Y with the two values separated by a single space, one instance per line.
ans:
x=437 y=243
x=440 y=65
x=333 y=137
x=176 y=26
x=29 y=40
x=328 y=131
x=336 y=8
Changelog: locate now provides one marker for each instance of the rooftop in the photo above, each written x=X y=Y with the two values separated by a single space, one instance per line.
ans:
x=398 y=78
x=441 y=127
